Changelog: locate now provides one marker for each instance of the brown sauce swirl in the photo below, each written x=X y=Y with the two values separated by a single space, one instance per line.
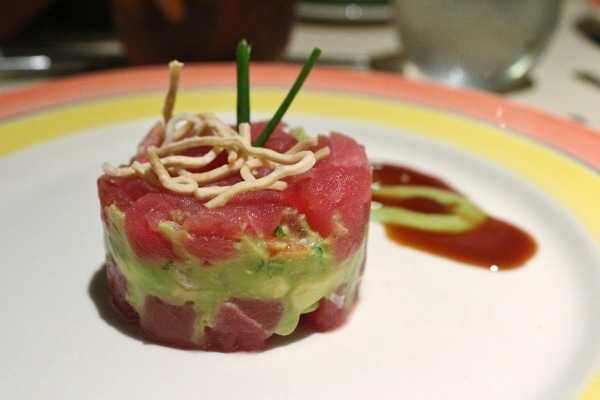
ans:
x=495 y=244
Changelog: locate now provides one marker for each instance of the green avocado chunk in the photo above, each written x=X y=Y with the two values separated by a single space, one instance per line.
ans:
x=298 y=271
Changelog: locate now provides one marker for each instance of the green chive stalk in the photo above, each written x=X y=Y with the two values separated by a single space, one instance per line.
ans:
x=243 y=82
x=277 y=117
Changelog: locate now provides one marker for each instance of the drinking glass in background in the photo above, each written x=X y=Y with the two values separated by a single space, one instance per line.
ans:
x=486 y=44
x=158 y=31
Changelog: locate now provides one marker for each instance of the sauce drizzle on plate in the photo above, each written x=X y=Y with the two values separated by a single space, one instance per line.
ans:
x=494 y=244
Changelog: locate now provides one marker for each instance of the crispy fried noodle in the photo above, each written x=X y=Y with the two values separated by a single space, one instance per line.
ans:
x=259 y=168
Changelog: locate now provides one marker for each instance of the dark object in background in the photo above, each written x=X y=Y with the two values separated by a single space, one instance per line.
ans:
x=69 y=36
x=63 y=19
x=83 y=35
x=209 y=30
x=589 y=27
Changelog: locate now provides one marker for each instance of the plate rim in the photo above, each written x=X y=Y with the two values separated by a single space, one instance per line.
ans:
x=45 y=97
x=551 y=130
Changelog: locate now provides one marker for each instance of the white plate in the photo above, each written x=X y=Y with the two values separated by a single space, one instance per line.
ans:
x=425 y=327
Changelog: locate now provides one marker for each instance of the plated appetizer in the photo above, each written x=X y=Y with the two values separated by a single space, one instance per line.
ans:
x=218 y=236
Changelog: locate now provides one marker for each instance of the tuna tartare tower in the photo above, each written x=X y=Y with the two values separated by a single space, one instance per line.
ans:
x=212 y=243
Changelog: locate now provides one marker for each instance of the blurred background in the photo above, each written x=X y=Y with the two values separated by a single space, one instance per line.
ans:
x=67 y=36
x=49 y=38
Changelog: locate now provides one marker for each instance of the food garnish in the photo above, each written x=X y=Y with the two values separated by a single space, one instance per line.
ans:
x=312 y=60
x=243 y=82
x=259 y=168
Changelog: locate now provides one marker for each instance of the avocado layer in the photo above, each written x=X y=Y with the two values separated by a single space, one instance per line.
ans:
x=294 y=268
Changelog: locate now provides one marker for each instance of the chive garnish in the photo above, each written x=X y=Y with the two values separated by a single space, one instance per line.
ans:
x=243 y=82
x=279 y=231
x=264 y=135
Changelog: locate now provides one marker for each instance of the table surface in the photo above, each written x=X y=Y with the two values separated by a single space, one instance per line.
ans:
x=557 y=85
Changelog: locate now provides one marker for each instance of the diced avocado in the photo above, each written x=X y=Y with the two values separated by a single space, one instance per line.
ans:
x=298 y=276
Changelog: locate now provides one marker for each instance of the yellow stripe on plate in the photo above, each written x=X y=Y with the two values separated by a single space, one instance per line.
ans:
x=560 y=176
